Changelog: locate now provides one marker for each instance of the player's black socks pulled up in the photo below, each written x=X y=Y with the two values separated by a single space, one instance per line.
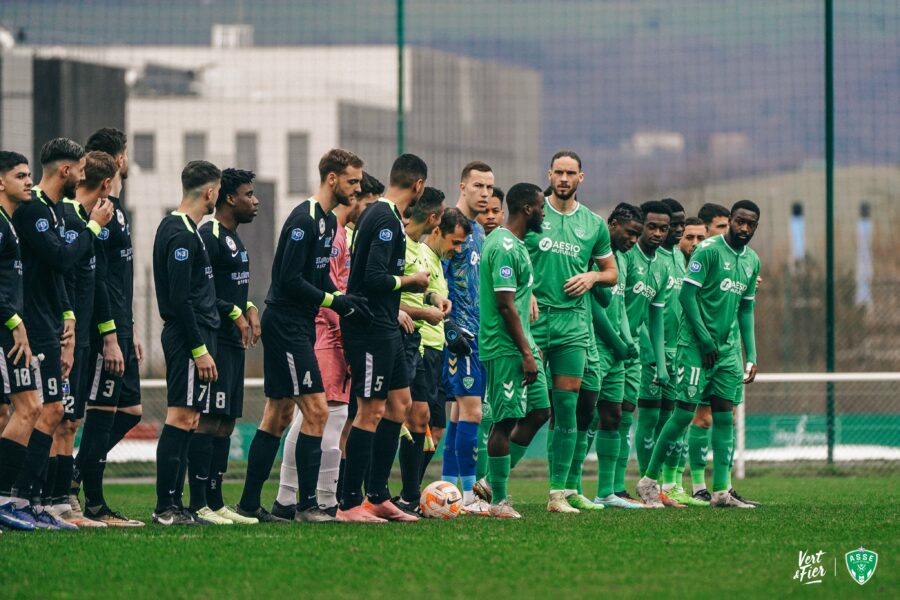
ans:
x=168 y=465
x=65 y=465
x=48 y=480
x=359 y=459
x=36 y=456
x=200 y=451
x=92 y=454
x=384 y=449
x=221 y=446
x=12 y=456
x=411 y=455
x=123 y=423
x=260 y=459
x=178 y=496
x=308 y=457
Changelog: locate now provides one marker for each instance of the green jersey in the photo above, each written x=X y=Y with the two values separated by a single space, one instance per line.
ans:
x=564 y=249
x=614 y=310
x=725 y=277
x=645 y=285
x=675 y=260
x=433 y=335
x=413 y=265
x=505 y=267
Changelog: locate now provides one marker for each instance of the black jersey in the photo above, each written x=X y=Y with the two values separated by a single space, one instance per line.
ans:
x=377 y=259
x=11 y=302
x=120 y=276
x=185 y=291
x=231 y=273
x=80 y=278
x=46 y=257
x=300 y=271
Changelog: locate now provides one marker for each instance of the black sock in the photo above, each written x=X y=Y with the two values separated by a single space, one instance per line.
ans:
x=340 y=484
x=199 y=459
x=411 y=465
x=308 y=456
x=123 y=423
x=92 y=454
x=426 y=460
x=182 y=470
x=260 y=459
x=64 y=466
x=359 y=459
x=36 y=455
x=12 y=456
x=384 y=449
x=48 y=480
x=221 y=446
x=168 y=465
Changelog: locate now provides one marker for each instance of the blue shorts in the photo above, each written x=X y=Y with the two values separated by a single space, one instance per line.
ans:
x=463 y=375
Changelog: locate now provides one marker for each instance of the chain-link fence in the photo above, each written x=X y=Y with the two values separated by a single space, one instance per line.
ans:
x=701 y=100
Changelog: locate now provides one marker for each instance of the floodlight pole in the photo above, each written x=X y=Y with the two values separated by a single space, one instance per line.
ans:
x=829 y=224
x=401 y=124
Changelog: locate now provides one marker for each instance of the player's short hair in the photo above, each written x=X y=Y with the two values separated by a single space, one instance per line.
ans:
x=199 y=173
x=370 y=185
x=108 y=139
x=520 y=195
x=98 y=166
x=453 y=218
x=710 y=211
x=336 y=161
x=625 y=213
x=430 y=203
x=59 y=149
x=232 y=179
x=407 y=170
x=746 y=205
x=673 y=204
x=475 y=165
x=693 y=221
x=655 y=206
x=566 y=154
x=9 y=159
x=498 y=194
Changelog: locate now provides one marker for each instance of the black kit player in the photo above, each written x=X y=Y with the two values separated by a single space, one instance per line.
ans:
x=186 y=295
x=375 y=354
x=301 y=284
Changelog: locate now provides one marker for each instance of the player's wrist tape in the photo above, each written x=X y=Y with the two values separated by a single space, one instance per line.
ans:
x=106 y=327
x=95 y=228
x=250 y=305
x=68 y=315
x=13 y=322
x=327 y=300
x=199 y=351
x=235 y=313
x=397 y=283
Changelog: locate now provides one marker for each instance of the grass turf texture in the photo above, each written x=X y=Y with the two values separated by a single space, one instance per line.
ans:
x=687 y=553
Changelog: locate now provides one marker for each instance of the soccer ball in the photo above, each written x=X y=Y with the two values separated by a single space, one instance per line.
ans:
x=440 y=500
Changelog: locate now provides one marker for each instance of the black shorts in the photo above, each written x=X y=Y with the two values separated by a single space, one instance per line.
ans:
x=415 y=367
x=104 y=388
x=290 y=368
x=48 y=375
x=377 y=365
x=228 y=392
x=75 y=389
x=184 y=387
x=432 y=364
x=13 y=378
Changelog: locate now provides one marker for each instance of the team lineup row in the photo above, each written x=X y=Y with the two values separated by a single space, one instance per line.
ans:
x=383 y=306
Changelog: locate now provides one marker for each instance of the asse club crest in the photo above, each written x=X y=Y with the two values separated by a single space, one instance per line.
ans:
x=861 y=563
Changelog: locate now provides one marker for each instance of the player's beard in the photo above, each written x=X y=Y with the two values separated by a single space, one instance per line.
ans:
x=342 y=199
x=567 y=194
x=535 y=225
x=69 y=189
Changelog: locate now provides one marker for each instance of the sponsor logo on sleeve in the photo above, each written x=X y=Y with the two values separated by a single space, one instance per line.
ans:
x=296 y=234
x=42 y=225
x=181 y=254
x=104 y=233
x=506 y=272
x=71 y=236
x=695 y=266
x=385 y=235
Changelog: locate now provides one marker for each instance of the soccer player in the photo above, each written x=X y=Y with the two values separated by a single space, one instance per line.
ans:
x=186 y=295
x=516 y=383
x=17 y=375
x=46 y=258
x=379 y=377
x=716 y=218
x=114 y=407
x=719 y=290
x=572 y=239
x=86 y=289
x=463 y=375
x=493 y=216
x=236 y=205
x=300 y=285
x=335 y=374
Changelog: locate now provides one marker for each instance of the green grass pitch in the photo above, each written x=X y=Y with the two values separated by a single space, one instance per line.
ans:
x=688 y=553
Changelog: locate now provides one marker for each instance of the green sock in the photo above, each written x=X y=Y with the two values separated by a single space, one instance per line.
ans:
x=645 y=436
x=667 y=438
x=516 y=452
x=481 y=467
x=607 y=455
x=565 y=430
x=698 y=446
x=664 y=414
x=670 y=465
x=731 y=462
x=573 y=481
x=550 y=453
x=498 y=472
x=722 y=432
x=682 y=460
x=624 y=450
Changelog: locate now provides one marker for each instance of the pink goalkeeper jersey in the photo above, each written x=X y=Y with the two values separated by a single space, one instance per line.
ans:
x=328 y=326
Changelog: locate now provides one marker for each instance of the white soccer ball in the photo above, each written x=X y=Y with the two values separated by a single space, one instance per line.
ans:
x=441 y=500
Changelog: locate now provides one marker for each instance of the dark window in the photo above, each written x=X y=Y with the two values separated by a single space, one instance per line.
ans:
x=143 y=150
x=297 y=163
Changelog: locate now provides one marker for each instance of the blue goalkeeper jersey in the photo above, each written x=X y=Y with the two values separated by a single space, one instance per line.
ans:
x=461 y=272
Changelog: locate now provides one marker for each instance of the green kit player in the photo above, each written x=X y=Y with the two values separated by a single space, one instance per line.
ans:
x=719 y=290
x=572 y=238
x=516 y=384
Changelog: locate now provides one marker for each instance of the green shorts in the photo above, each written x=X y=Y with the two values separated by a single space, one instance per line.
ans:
x=612 y=377
x=739 y=390
x=653 y=391
x=632 y=380
x=591 y=380
x=695 y=383
x=564 y=336
x=507 y=397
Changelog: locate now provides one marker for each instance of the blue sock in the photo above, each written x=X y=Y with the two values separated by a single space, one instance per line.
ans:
x=467 y=453
x=450 y=468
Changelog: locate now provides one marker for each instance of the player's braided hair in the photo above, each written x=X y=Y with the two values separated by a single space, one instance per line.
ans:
x=232 y=179
x=625 y=213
